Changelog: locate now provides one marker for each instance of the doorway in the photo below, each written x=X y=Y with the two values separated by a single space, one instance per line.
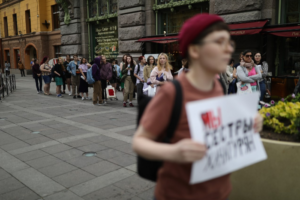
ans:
x=16 y=57
x=30 y=52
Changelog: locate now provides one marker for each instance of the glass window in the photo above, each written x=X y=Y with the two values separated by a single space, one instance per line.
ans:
x=113 y=5
x=289 y=56
x=15 y=24
x=292 y=11
x=92 y=8
x=55 y=17
x=57 y=51
x=102 y=7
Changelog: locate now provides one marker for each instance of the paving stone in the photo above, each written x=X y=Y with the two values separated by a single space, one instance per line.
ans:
x=57 y=169
x=27 y=136
x=38 y=140
x=31 y=155
x=92 y=147
x=83 y=161
x=9 y=184
x=56 y=148
x=101 y=168
x=124 y=160
x=127 y=148
x=113 y=143
x=79 y=143
x=13 y=146
x=4 y=174
x=38 y=182
x=20 y=194
x=109 y=153
x=134 y=184
x=43 y=162
x=109 y=193
x=63 y=195
x=98 y=139
x=73 y=178
x=58 y=135
x=148 y=194
x=69 y=154
x=7 y=139
x=101 y=182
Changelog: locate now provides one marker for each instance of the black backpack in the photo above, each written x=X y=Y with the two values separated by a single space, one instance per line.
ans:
x=148 y=168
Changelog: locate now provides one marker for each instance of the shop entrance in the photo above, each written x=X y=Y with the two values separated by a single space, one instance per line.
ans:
x=30 y=52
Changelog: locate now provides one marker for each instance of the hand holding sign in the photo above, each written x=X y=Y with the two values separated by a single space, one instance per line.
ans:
x=226 y=126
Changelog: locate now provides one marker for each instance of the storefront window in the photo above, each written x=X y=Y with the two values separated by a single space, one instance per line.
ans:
x=102 y=7
x=292 y=11
x=92 y=8
x=106 y=39
x=289 y=56
x=171 y=22
x=113 y=4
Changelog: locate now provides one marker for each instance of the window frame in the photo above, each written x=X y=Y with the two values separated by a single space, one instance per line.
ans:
x=5 y=24
x=55 y=16
x=282 y=12
x=15 y=24
x=28 y=21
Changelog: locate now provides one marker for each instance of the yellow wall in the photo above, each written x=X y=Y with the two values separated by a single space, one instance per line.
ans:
x=40 y=10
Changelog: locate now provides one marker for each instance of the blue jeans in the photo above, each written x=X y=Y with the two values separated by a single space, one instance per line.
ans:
x=38 y=86
x=263 y=89
x=232 y=86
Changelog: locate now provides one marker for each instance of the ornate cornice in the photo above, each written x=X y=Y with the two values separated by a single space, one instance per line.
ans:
x=172 y=4
x=104 y=17
x=9 y=3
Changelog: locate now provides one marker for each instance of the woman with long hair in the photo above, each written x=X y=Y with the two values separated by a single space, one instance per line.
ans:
x=46 y=73
x=162 y=72
x=58 y=71
x=247 y=72
x=148 y=69
x=263 y=67
x=84 y=86
x=185 y=66
x=67 y=77
x=128 y=69
x=37 y=75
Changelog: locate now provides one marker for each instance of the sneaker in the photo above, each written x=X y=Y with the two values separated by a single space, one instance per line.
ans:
x=82 y=98
x=105 y=102
x=59 y=96
x=88 y=98
x=124 y=105
x=78 y=96
x=38 y=92
x=74 y=97
x=131 y=105
x=97 y=104
x=117 y=99
x=70 y=93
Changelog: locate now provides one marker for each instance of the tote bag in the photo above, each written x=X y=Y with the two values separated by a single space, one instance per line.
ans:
x=110 y=92
x=243 y=88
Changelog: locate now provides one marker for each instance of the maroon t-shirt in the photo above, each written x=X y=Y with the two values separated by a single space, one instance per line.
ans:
x=173 y=178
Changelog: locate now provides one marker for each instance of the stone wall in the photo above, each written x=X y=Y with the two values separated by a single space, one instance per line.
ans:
x=74 y=35
x=237 y=11
x=131 y=26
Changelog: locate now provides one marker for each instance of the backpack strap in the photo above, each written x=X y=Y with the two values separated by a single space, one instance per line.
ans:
x=137 y=73
x=176 y=112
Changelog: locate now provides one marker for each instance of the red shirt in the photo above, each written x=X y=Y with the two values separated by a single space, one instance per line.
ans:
x=173 y=178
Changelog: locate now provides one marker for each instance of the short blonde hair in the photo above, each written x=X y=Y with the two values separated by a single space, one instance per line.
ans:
x=168 y=65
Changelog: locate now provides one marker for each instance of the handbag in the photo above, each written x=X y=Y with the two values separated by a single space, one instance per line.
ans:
x=243 y=88
x=110 y=92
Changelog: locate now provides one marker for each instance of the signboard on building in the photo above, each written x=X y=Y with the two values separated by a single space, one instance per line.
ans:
x=106 y=40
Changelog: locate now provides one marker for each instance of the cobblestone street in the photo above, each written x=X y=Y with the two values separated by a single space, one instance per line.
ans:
x=42 y=141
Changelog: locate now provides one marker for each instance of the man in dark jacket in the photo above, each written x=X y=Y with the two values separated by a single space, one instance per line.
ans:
x=97 y=96
x=105 y=76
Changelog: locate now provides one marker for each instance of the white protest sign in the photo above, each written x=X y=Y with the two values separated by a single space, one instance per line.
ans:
x=225 y=125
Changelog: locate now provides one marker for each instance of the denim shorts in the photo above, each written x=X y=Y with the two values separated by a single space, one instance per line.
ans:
x=47 y=79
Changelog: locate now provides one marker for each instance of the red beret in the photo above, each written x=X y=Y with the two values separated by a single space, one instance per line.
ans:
x=193 y=27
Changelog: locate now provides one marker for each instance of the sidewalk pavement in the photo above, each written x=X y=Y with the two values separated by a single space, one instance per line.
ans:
x=42 y=141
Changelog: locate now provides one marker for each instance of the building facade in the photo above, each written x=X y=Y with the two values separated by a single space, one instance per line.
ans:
x=29 y=29
x=139 y=27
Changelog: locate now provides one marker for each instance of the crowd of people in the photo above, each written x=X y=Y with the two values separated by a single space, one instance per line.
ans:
x=128 y=77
